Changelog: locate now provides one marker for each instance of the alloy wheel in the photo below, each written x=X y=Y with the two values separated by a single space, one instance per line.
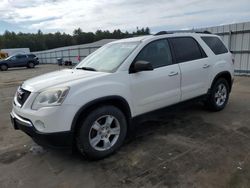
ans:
x=104 y=133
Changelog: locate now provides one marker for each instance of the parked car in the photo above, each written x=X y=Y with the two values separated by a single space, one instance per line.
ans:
x=19 y=60
x=94 y=104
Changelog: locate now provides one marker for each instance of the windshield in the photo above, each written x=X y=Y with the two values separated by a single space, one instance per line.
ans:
x=109 y=57
x=9 y=57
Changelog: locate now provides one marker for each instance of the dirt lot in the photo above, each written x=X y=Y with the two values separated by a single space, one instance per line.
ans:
x=190 y=147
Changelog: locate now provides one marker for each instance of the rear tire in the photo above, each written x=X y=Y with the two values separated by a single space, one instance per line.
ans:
x=3 y=67
x=102 y=132
x=31 y=65
x=219 y=94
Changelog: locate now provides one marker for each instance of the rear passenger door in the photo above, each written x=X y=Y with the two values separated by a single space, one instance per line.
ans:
x=194 y=66
x=160 y=87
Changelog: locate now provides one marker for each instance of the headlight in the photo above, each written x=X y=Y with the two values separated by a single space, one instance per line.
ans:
x=50 y=97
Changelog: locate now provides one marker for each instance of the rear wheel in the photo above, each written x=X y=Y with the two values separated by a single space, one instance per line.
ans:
x=102 y=132
x=219 y=95
x=31 y=65
x=4 y=67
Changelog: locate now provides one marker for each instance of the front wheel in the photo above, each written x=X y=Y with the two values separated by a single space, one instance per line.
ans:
x=219 y=95
x=4 y=67
x=102 y=132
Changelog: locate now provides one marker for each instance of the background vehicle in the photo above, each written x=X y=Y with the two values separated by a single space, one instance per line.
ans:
x=19 y=60
x=93 y=104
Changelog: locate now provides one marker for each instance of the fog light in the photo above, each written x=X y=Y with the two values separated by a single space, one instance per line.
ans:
x=39 y=125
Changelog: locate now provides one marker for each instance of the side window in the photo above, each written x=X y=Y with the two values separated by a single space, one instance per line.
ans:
x=31 y=56
x=21 y=56
x=215 y=44
x=157 y=53
x=186 y=49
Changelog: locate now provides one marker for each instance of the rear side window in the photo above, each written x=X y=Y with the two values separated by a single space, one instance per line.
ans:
x=31 y=56
x=157 y=53
x=186 y=49
x=215 y=45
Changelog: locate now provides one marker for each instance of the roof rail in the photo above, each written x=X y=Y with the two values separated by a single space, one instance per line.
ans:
x=181 y=31
x=205 y=32
x=162 y=33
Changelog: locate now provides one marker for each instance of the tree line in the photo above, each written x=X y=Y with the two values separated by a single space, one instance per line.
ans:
x=44 y=41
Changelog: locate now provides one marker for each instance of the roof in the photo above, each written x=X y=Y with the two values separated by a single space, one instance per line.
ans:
x=134 y=39
x=149 y=37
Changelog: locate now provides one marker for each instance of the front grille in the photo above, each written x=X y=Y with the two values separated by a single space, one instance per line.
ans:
x=22 y=95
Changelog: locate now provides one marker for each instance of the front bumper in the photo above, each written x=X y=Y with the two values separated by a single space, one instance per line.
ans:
x=53 y=140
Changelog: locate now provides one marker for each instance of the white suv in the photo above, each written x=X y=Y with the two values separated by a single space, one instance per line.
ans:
x=93 y=104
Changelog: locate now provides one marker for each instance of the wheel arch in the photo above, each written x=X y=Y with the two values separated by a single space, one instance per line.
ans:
x=5 y=64
x=30 y=61
x=226 y=75
x=116 y=101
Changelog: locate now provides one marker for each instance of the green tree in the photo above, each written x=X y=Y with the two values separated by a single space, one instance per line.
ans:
x=44 y=41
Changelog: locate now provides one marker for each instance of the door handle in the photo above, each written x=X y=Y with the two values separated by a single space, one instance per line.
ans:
x=206 y=66
x=173 y=73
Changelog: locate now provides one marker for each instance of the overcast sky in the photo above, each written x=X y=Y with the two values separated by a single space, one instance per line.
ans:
x=90 y=15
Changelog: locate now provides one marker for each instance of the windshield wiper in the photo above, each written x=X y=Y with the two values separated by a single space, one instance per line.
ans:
x=86 y=68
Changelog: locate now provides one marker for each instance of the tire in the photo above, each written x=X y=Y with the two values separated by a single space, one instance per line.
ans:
x=218 y=97
x=31 y=65
x=97 y=138
x=3 y=67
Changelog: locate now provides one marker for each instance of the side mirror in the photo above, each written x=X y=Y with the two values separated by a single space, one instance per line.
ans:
x=142 y=66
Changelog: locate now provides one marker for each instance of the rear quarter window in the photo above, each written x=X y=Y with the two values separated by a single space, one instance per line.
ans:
x=31 y=56
x=215 y=44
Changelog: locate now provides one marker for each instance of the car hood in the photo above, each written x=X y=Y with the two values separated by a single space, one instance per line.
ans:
x=59 y=77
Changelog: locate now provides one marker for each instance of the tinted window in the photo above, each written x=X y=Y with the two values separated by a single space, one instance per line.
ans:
x=215 y=45
x=186 y=49
x=157 y=53
x=20 y=56
x=31 y=56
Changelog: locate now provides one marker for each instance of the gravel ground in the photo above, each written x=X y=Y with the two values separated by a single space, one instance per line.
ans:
x=188 y=147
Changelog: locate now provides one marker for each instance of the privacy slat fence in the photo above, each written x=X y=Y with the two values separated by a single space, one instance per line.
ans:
x=235 y=36
x=70 y=53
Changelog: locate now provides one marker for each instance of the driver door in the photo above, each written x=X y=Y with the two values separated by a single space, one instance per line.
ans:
x=159 y=87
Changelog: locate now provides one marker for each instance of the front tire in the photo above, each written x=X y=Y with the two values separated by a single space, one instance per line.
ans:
x=102 y=132
x=4 y=67
x=218 y=97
